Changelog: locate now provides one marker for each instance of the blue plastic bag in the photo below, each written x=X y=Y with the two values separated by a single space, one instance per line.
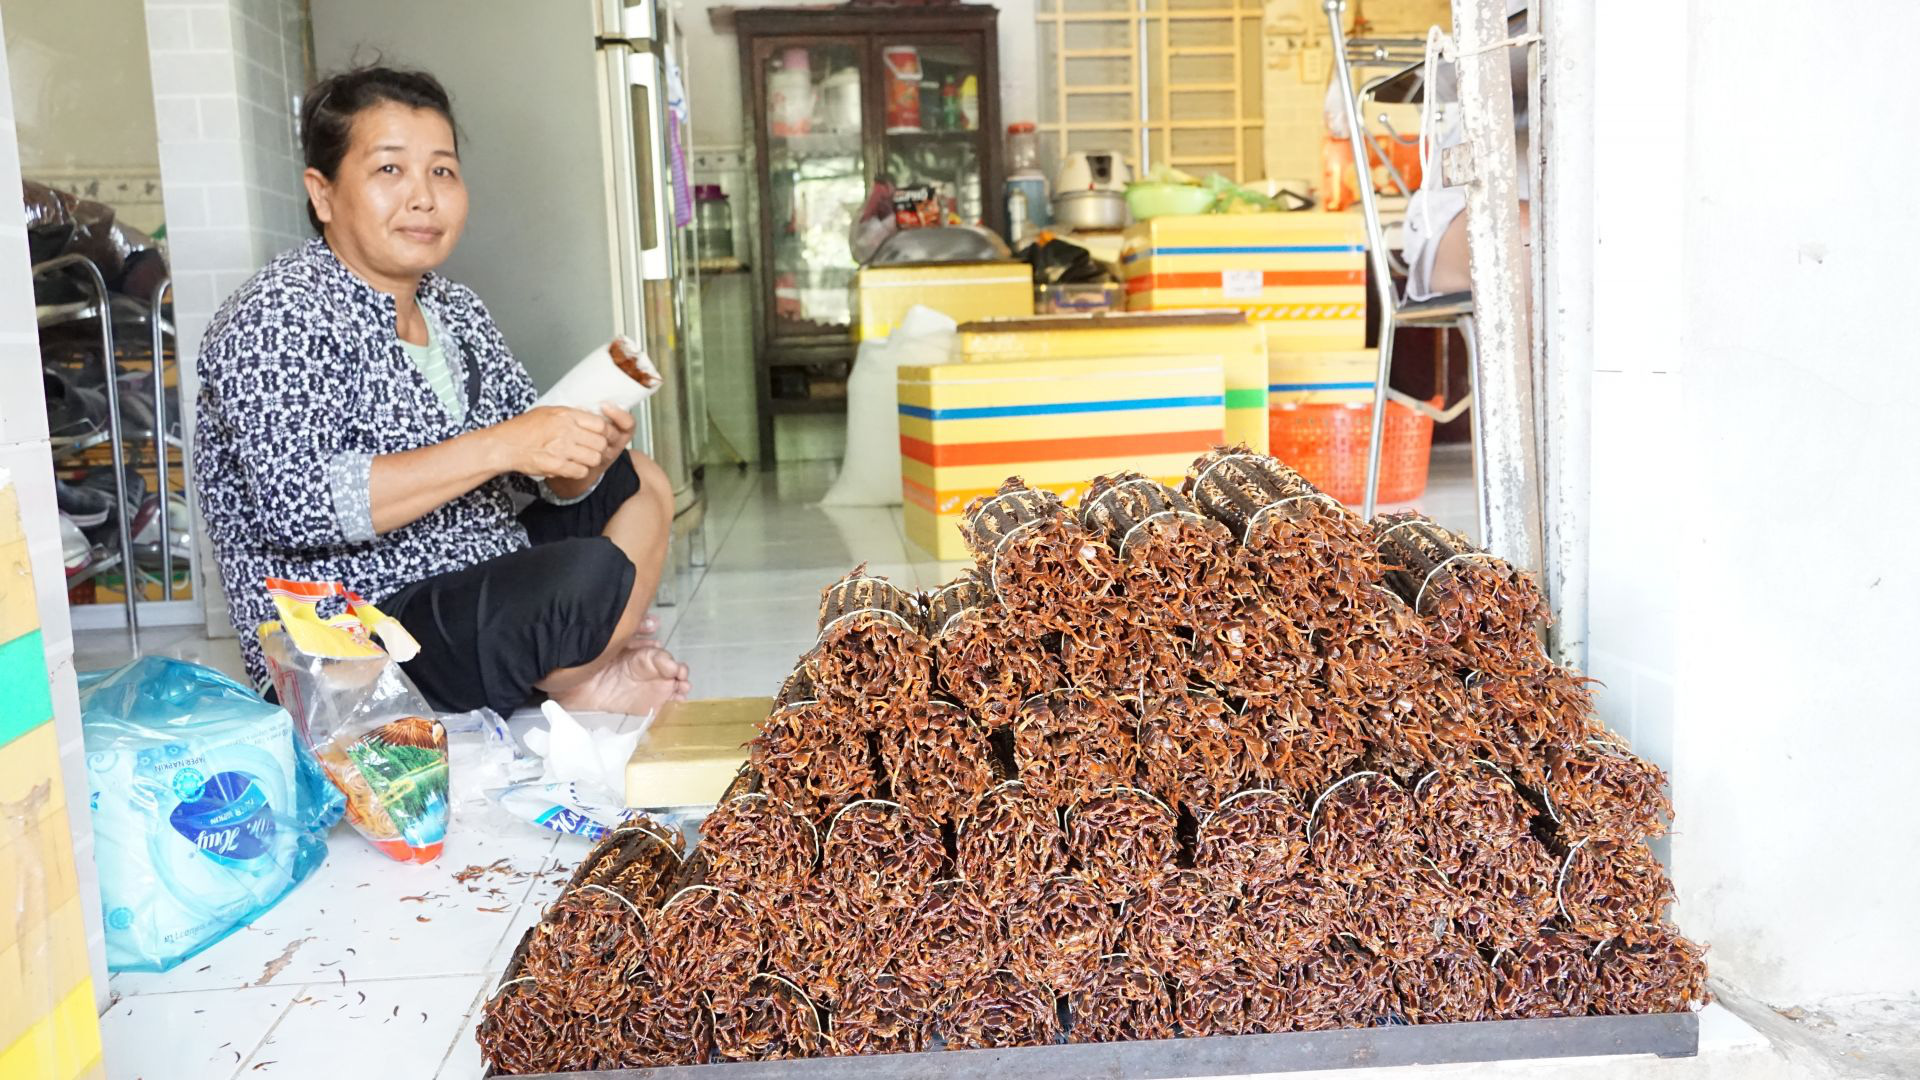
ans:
x=206 y=807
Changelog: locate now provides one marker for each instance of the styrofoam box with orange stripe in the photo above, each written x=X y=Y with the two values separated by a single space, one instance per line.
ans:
x=966 y=427
x=960 y=291
x=1239 y=345
x=1302 y=274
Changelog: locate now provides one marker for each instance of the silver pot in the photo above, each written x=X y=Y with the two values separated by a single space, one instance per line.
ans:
x=1090 y=210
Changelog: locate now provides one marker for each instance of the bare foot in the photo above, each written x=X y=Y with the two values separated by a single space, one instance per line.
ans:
x=636 y=682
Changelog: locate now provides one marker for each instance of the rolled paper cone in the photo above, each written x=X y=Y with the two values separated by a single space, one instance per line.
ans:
x=618 y=373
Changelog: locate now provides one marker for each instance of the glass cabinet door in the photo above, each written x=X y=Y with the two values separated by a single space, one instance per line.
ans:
x=816 y=179
x=933 y=96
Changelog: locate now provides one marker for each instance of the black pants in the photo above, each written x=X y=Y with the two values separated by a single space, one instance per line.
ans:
x=489 y=632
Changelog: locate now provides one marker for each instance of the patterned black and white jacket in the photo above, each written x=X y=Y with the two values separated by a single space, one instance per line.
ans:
x=302 y=383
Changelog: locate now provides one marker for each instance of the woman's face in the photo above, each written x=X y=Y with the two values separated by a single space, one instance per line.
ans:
x=396 y=206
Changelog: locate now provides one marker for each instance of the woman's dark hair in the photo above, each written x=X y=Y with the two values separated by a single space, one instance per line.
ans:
x=327 y=114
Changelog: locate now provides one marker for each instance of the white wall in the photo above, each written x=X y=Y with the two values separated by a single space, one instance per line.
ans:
x=225 y=73
x=1753 y=491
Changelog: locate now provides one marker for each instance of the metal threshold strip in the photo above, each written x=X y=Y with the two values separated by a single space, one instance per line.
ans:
x=1659 y=1034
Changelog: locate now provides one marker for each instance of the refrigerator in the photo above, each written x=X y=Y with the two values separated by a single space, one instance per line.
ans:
x=573 y=132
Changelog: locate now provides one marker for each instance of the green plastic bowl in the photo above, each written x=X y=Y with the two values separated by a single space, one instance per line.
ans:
x=1152 y=200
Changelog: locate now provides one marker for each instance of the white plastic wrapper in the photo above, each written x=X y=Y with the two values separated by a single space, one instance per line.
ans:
x=582 y=782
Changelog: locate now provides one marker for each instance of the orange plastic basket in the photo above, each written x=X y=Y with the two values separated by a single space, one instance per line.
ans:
x=1328 y=445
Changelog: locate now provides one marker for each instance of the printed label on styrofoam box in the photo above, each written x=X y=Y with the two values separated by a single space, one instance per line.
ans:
x=1242 y=284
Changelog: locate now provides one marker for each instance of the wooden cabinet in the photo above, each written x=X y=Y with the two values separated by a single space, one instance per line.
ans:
x=836 y=99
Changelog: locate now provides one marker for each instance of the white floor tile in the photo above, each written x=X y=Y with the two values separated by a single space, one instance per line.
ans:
x=371 y=1028
x=719 y=615
x=727 y=671
x=769 y=582
x=364 y=916
x=190 y=1036
x=96 y=650
x=463 y=1061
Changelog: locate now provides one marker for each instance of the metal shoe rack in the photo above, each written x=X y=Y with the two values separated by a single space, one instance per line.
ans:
x=160 y=444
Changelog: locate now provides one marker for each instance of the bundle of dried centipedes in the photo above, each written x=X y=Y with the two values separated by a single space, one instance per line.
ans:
x=1453 y=984
x=1120 y=999
x=1001 y=1009
x=1304 y=746
x=813 y=758
x=985 y=659
x=1480 y=605
x=1609 y=890
x=1042 y=564
x=1070 y=743
x=1058 y=930
x=1185 y=924
x=1664 y=972
x=1010 y=845
x=875 y=1014
x=705 y=939
x=872 y=661
x=1477 y=830
x=1598 y=789
x=938 y=761
x=1175 y=563
x=1115 y=651
x=1195 y=751
x=1365 y=840
x=817 y=937
x=1255 y=837
x=951 y=939
x=770 y=1020
x=1120 y=840
x=880 y=856
x=758 y=846
x=1550 y=974
x=1339 y=985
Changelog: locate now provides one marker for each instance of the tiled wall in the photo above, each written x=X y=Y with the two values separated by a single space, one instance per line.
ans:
x=225 y=74
x=49 y=989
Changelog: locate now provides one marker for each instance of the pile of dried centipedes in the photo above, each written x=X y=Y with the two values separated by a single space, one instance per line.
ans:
x=1217 y=760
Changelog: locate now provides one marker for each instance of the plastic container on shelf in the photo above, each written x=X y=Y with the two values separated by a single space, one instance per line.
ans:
x=713 y=222
x=790 y=95
x=1328 y=445
x=903 y=87
x=1023 y=147
x=970 y=103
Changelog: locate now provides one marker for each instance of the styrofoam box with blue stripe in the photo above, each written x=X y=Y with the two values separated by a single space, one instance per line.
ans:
x=966 y=427
x=1343 y=377
x=1240 y=345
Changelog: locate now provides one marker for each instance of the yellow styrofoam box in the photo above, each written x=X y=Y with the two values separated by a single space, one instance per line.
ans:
x=1303 y=273
x=960 y=291
x=966 y=427
x=36 y=864
x=1239 y=345
x=52 y=959
x=26 y=763
x=10 y=527
x=18 y=613
x=1321 y=378
x=62 y=1045
x=692 y=750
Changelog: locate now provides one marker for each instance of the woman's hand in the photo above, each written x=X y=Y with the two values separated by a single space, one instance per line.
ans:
x=553 y=441
x=619 y=435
